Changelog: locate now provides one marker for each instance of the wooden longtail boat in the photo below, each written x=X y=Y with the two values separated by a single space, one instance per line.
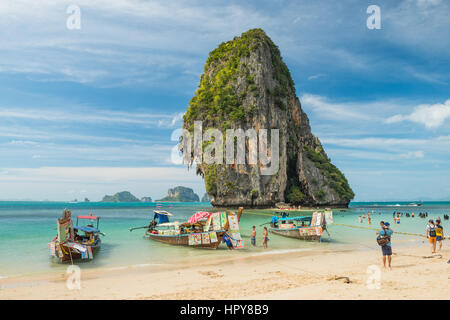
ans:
x=303 y=228
x=177 y=233
x=183 y=239
x=69 y=246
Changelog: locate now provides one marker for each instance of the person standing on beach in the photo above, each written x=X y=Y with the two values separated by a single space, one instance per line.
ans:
x=386 y=250
x=359 y=219
x=368 y=218
x=253 y=238
x=439 y=233
x=431 y=235
x=265 y=239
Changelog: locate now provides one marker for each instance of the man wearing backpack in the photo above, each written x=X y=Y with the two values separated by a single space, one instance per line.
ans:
x=384 y=240
x=431 y=235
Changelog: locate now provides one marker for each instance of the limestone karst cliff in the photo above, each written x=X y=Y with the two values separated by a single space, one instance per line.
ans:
x=245 y=85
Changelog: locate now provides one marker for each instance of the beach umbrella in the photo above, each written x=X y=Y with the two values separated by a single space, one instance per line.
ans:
x=199 y=216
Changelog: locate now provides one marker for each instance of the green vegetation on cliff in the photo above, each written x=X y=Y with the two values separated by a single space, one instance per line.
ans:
x=336 y=178
x=218 y=98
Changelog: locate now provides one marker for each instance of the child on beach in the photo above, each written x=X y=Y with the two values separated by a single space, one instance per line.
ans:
x=265 y=238
x=359 y=219
x=431 y=235
x=253 y=238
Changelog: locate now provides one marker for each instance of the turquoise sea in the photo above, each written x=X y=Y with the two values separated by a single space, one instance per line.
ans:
x=27 y=227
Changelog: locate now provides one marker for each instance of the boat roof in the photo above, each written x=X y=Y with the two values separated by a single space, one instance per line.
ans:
x=163 y=212
x=88 y=217
x=296 y=218
x=87 y=229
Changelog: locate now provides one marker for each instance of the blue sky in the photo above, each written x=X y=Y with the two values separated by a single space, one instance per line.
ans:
x=90 y=112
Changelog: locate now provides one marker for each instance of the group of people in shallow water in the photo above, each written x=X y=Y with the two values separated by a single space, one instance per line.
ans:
x=265 y=237
x=361 y=218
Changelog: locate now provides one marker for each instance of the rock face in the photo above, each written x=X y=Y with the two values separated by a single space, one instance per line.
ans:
x=245 y=85
x=181 y=194
x=205 y=198
x=123 y=196
x=146 y=199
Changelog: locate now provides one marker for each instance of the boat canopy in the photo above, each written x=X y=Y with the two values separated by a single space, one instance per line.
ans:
x=162 y=215
x=163 y=212
x=296 y=218
x=88 y=217
x=87 y=229
x=199 y=216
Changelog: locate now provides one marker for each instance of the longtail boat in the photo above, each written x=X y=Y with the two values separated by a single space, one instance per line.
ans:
x=202 y=230
x=303 y=228
x=68 y=245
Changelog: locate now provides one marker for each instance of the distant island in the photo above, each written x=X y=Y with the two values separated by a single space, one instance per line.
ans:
x=181 y=194
x=124 y=196
x=146 y=199
x=205 y=198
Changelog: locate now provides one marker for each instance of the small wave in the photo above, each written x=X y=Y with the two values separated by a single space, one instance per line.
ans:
x=3 y=277
x=281 y=251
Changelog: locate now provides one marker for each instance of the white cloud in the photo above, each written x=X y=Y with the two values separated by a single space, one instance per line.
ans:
x=316 y=76
x=426 y=3
x=432 y=116
x=412 y=155
x=86 y=115
x=332 y=110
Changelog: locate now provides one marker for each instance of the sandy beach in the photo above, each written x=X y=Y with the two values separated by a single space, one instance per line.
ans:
x=293 y=274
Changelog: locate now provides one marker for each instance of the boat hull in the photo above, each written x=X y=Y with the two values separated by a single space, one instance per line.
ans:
x=68 y=254
x=183 y=240
x=294 y=233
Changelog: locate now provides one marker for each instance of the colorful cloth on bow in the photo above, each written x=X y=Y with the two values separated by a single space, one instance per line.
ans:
x=191 y=239
x=205 y=238
x=216 y=221
x=213 y=237
x=223 y=219
x=89 y=252
x=233 y=223
x=52 y=248
x=239 y=244
x=236 y=236
x=208 y=224
x=195 y=239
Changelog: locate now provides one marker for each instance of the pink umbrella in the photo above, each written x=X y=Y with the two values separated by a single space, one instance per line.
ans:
x=199 y=216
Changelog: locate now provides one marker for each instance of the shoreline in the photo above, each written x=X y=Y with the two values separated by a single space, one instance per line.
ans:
x=287 y=274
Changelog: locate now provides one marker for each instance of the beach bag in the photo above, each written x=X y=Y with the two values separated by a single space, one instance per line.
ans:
x=383 y=240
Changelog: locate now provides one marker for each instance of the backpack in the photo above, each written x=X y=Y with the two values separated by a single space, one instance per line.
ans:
x=432 y=231
x=383 y=240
